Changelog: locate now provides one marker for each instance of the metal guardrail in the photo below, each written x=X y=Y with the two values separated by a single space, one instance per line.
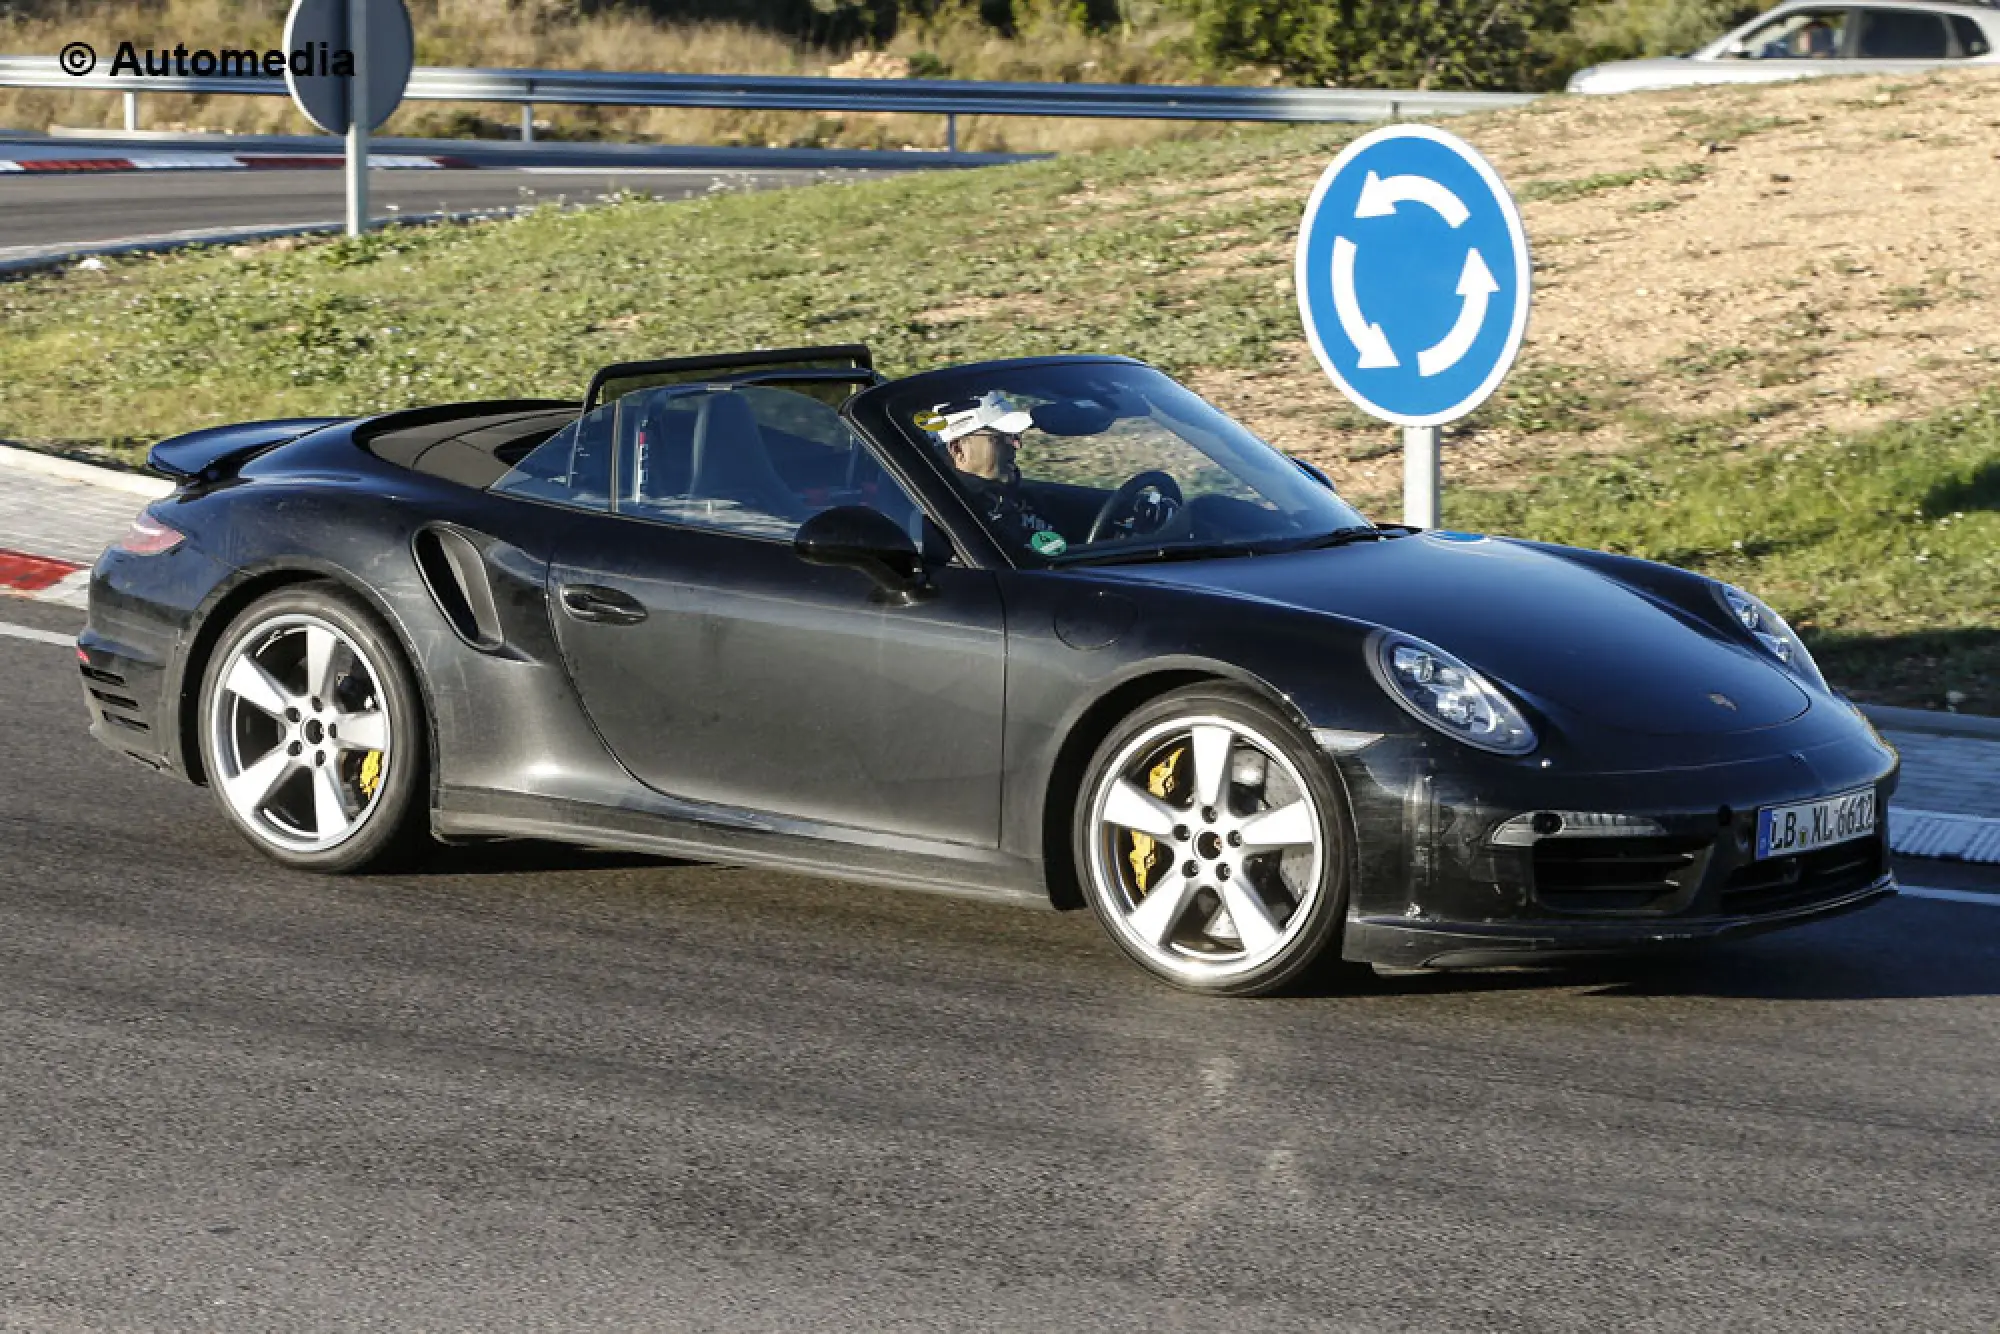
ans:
x=949 y=98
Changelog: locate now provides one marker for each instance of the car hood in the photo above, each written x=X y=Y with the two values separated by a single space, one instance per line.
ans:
x=1617 y=75
x=1629 y=76
x=1553 y=630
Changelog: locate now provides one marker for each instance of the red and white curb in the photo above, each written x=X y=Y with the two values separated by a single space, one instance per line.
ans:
x=43 y=579
x=225 y=162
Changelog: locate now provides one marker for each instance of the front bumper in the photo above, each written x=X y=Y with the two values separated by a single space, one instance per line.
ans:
x=1397 y=943
x=1433 y=889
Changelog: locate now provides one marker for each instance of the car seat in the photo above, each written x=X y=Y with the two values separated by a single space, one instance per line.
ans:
x=731 y=463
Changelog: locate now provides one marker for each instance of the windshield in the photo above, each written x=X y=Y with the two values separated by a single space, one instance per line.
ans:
x=1085 y=461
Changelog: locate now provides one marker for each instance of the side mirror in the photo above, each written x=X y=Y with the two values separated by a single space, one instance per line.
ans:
x=1313 y=472
x=1737 y=49
x=870 y=541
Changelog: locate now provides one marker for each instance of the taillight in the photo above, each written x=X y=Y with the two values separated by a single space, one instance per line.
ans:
x=149 y=537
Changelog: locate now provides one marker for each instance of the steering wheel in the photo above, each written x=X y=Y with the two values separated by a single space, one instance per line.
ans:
x=1126 y=498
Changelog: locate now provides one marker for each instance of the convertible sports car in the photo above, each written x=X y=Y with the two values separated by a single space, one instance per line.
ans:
x=1052 y=629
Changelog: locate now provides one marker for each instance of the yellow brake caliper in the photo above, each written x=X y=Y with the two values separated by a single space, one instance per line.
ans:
x=371 y=773
x=1145 y=849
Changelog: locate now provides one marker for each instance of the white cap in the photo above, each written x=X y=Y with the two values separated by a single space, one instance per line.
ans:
x=991 y=413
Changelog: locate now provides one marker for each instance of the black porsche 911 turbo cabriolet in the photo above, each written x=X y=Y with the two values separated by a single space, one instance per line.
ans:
x=1052 y=629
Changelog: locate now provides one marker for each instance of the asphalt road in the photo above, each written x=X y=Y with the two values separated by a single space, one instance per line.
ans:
x=544 y=1090
x=61 y=210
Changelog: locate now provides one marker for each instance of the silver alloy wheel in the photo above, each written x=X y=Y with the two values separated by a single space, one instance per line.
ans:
x=300 y=733
x=1210 y=870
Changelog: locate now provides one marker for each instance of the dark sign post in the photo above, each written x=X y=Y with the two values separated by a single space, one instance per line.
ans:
x=368 y=51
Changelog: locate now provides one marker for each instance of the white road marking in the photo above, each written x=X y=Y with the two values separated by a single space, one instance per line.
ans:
x=38 y=636
x=1951 y=895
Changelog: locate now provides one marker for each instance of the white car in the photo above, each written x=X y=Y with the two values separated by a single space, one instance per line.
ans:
x=1803 y=38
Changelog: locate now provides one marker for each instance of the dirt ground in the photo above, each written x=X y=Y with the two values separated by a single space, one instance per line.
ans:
x=1764 y=262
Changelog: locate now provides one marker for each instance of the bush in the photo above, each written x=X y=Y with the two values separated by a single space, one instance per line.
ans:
x=1616 y=29
x=1486 y=44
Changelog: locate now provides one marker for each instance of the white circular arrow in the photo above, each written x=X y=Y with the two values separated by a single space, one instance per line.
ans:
x=1379 y=198
x=1476 y=285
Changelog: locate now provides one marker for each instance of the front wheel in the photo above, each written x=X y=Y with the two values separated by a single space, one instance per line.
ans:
x=1212 y=843
x=312 y=734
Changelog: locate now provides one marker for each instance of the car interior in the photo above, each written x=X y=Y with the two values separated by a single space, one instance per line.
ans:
x=751 y=458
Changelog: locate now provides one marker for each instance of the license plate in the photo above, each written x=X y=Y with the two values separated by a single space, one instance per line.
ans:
x=1785 y=831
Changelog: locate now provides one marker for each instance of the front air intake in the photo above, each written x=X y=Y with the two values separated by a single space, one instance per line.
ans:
x=1618 y=875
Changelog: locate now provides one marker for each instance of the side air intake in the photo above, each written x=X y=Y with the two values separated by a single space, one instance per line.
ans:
x=456 y=576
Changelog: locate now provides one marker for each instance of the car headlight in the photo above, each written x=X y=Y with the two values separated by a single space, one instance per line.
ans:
x=1448 y=695
x=1771 y=633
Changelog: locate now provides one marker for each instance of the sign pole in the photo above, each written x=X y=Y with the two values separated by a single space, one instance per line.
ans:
x=357 y=119
x=1422 y=476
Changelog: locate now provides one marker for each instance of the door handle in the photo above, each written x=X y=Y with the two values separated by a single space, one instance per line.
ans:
x=606 y=606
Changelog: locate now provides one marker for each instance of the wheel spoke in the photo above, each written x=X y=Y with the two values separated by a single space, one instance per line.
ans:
x=249 y=790
x=363 y=731
x=1211 y=762
x=1131 y=807
x=1253 y=920
x=1286 y=827
x=320 y=646
x=255 y=686
x=1162 y=909
x=330 y=815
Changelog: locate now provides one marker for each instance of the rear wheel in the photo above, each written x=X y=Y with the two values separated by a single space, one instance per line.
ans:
x=312 y=735
x=1212 y=843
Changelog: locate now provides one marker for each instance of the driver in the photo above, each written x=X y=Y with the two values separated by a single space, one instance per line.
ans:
x=982 y=441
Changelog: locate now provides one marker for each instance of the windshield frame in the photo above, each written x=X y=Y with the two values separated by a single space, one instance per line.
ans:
x=870 y=412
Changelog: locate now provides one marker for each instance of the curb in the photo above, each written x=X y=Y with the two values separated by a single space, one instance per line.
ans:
x=1934 y=834
x=1934 y=722
x=72 y=470
x=591 y=154
x=55 y=257
x=216 y=162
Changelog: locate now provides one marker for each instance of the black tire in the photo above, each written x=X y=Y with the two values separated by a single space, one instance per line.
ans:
x=1302 y=894
x=392 y=823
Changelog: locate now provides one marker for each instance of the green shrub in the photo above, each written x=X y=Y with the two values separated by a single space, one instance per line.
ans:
x=1618 y=29
x=1492 y=44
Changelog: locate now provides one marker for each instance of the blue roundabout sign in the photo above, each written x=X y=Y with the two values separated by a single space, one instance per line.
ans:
x=1413 y=275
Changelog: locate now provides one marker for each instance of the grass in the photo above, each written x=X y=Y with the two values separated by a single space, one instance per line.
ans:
x=1883 y=550
x=1903 y=299
x=1579 y=187
x=1882 y=546
x=546 y=34
x=1728 y=129
x=1078 y=254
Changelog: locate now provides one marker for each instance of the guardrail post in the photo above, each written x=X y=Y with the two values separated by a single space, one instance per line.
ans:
x=527 y=122
x=131 y=110
x=951 y=132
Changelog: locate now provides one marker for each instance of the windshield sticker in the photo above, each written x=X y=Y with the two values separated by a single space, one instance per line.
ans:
x=930 y=419
x=1048 y=544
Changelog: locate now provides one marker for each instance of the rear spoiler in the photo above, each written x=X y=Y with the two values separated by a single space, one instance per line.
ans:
x=216 y=451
